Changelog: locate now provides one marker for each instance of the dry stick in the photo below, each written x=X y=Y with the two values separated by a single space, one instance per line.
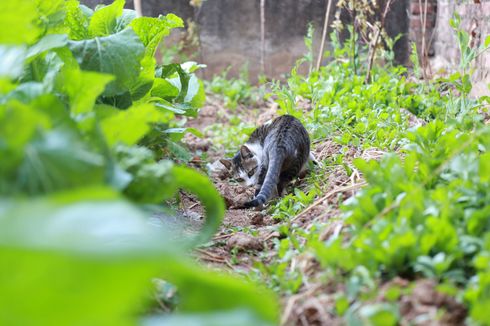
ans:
x=423 y=41
x=424 y=30
x=324 y=34
x=205 y=252
x=372 y=52
x=223 y=236
x=138 y=8
x=214 y=258
x=426 y=46
x=262 y=35
x=329 y=194
x=374 y=45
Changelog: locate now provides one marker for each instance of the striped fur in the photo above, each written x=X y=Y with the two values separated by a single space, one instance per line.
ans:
x=281 y=149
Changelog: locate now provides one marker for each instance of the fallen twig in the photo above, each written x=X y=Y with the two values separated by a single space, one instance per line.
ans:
x=329 y=194
x=223 y=236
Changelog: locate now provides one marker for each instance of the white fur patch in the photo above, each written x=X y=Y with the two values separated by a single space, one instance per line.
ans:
x=256 y=149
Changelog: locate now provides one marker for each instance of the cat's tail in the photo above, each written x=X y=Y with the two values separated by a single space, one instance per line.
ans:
x=270 y=181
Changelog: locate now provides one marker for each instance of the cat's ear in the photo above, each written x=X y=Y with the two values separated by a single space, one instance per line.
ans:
x=245 y=152
x=226 y=163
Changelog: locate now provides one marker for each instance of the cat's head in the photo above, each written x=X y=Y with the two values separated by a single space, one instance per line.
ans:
x=243 y=167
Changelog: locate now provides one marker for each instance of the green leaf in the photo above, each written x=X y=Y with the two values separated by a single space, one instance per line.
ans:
x=169 y=107
x=487 y=41
x=182 y=131
x=192 y=66
x=82 y=247
x=129 y=126
x=118 y=54
x=152 y=30
x=17 y=22
x=51 y=15
x=94 y=242
x=199 y=185
x=83 y=88
x=12 y=61
x=59 y=160
x=178 y=77
x=196 y=286
x=125 y=19
x=164 y=89
x=484 y=167
x=49 y=42
x=380 y=314
x=15 y=114
x=239 y=317
x=104 y=19
x=196 y=95
x=77 y=20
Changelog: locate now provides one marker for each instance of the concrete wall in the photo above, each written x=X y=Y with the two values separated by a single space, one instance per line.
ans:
x=230 y=30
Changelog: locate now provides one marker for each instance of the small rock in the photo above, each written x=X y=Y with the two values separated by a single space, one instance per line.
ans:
x=244 y=242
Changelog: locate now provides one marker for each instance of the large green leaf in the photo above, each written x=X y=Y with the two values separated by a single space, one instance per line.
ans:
x=77 y=20
x=49 y=42
x=14 y=114
x=196 y=289
x=152 y=30
x=196 y=95
x=83 y=88
x=12 y=61
x=129 y=126
x=90 y=248
x=118 y=54
x=51 y=15
x=104 y=19
x=239 y=317
x=200 y=186
x=17 y=22
x=58 y=160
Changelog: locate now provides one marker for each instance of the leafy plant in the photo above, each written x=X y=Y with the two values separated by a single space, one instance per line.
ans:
x=81 y=97
x=234 y=90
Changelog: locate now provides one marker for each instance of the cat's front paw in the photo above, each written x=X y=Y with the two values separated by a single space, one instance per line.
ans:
x=252 y=203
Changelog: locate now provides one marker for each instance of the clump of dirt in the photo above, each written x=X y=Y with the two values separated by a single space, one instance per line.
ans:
x=243 y=242
x=426 y=301
x=234 y=195
x=326 y=149
x=422 y=304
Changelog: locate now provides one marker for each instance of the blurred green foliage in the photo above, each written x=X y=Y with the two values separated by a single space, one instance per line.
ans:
x=85 y=115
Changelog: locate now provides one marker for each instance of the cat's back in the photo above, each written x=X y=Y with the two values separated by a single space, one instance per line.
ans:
x=289 y=128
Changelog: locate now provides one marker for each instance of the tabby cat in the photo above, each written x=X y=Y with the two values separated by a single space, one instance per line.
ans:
x=275 y=153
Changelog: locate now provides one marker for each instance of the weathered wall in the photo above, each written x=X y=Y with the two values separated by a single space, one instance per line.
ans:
x=475 y=19
x=230 y=30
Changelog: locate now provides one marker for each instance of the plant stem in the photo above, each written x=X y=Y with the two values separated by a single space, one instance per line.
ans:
x=324 y=34
x=374 y=45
